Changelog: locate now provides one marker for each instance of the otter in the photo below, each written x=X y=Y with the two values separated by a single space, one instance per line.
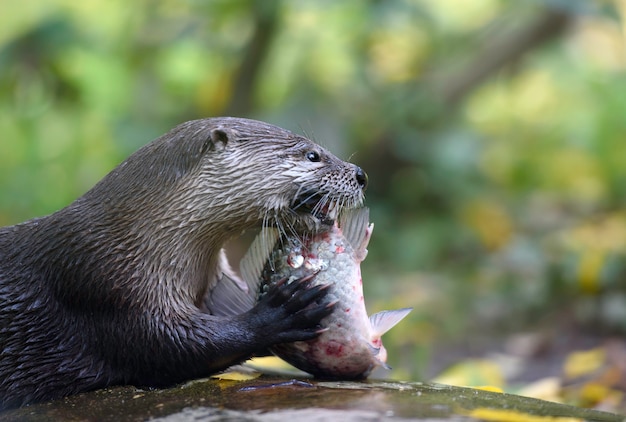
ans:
x=122 y=285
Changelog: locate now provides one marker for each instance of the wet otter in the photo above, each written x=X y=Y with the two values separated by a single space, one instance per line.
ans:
x=114 y=288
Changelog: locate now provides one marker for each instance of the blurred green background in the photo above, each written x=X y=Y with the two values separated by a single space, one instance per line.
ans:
x=493 y=132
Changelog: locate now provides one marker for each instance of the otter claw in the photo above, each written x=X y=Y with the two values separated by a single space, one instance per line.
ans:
x=311 y=294
x=283 y=290
x=332 y=304
x=322 y=330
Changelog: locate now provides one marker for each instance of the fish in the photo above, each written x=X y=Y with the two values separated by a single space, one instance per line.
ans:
x=350 y=346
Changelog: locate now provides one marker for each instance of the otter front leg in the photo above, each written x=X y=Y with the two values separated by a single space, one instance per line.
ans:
x=206 y=344
x=288 y=312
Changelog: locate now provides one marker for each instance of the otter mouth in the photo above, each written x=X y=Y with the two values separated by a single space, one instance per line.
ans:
x=317 y=205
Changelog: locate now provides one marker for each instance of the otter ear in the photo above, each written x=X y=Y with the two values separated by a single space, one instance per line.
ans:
x=218 y=138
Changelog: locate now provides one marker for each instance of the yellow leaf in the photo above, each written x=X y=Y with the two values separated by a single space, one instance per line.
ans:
x=491 y=388
x=584 y=362
x=490 y=221
x=236 y=376
x=589 y=269
x=499 y=415
x=472 y=372
x=544 y=389
x=268 y=362
x=594 y=393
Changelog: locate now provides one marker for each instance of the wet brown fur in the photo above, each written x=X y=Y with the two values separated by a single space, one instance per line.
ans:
x=111 y=289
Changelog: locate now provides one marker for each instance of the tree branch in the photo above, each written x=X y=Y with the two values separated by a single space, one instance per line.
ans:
x=502 y=51
x=266 y=18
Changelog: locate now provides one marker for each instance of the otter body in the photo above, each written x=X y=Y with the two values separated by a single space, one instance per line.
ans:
x=122 y=285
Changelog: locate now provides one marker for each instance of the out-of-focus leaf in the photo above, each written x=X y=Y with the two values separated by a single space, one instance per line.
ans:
x=491 y=223
x=472 y=372
x=491 y=388
x=593 y=394
x=544 y=389
x=584 y=362
x=486 y=414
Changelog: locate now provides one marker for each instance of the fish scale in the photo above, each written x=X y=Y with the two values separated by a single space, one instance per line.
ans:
x=351 y=346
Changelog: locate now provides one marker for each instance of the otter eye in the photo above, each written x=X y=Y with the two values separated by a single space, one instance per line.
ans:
x=313 y=156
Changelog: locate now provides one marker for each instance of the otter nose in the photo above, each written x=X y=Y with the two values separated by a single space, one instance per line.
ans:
x=361 y=177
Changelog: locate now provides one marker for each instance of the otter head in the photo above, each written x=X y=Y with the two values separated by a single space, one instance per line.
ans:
x=255 y=172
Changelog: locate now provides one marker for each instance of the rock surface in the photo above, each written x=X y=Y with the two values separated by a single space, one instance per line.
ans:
x=272 y=398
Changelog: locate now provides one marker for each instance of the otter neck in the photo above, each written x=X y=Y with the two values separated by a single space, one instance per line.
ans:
x=180 y=249
x=160 y=258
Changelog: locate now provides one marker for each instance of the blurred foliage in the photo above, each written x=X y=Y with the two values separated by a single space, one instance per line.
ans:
x=492 y=132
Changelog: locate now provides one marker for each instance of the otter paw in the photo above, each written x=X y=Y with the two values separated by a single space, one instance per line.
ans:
x=293 y=311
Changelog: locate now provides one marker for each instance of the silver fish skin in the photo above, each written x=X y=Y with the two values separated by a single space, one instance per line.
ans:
x=351 y=347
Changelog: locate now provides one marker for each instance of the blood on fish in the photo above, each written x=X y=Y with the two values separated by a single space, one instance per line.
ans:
x=334 y=349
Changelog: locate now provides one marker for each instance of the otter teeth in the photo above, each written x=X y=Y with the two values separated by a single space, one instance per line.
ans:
x=332 y=211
